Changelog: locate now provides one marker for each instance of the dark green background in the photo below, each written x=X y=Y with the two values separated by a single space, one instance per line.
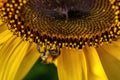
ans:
x=42 y=71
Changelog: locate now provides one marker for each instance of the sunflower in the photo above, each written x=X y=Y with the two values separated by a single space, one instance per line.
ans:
x=80 y=37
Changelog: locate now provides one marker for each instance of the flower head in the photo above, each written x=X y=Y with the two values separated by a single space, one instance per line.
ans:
x=74 y=34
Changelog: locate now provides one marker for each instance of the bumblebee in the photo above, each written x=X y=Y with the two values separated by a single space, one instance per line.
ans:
x=48 y=53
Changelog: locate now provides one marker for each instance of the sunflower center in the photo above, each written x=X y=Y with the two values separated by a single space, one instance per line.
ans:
x=66 y=15
x=68 y=18
x=60 y=9
x=64 y=21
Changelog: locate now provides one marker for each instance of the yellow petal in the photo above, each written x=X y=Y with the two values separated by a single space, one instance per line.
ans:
x=13 y=61
x=5 y=53
x=16 y=56
x=3 y=26
x=4 y=36
x=4 y=33
x=13 y=54
x=117 y=43
x=27 y=63
x=71 y=65
x=8 y=46
x=113 y=49
x=94 y=66
x=1 y=46
x=110 y=63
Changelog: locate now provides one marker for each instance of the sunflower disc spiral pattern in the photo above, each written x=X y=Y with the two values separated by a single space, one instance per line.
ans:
x=63 y=23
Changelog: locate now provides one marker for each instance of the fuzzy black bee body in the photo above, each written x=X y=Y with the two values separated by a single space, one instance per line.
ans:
x=48 y=55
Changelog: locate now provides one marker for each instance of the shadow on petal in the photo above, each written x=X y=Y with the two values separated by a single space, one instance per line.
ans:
x=113 y=49
x=110 y=64
x=94 y=67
